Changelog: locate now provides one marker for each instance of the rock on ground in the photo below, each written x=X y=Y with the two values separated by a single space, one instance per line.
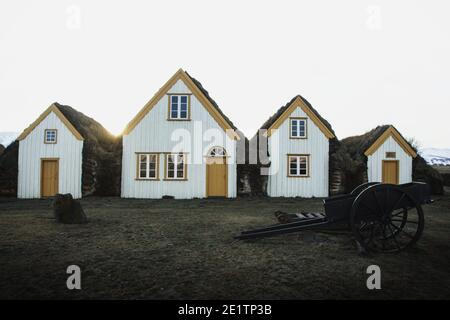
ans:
x=68 y=210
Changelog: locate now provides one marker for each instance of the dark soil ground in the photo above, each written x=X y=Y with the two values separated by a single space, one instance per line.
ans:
x=172 y=249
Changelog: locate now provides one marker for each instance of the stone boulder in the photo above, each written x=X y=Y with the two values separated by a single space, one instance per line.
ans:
x=68 y=210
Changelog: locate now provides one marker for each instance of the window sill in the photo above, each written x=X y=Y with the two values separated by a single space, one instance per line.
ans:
x=167 y=179
x=169 y=119
x=298 y=176
x=298 y=138
x=141 y=179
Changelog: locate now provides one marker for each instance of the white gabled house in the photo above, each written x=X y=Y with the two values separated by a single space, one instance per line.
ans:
x=179 y=145
x=298 y=150
x=65 y=151
x=50 y=157
x=388 y=156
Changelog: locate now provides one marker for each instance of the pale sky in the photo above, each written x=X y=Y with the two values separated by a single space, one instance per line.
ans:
x=360 y=63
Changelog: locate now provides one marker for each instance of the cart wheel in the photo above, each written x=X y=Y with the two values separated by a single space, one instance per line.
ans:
x=385 y=218
x=362 y=187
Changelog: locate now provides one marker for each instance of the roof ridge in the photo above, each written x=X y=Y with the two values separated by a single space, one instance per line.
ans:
x=211 y=100
x=269 y=122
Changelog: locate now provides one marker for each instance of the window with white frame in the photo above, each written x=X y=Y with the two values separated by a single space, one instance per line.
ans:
x=148 y=166
x=298 y=166
x=298 y=127
x=50 y=136
x=179 y=107
x=176 y=166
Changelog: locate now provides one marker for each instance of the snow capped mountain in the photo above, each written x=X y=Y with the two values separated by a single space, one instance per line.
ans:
x=436 y=156
x=7 y=137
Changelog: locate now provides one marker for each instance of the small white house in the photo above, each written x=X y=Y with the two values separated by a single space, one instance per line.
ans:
x=389 y=157
x=385 y=156
x=179 y=145
x=50 y=157
x=298 y=150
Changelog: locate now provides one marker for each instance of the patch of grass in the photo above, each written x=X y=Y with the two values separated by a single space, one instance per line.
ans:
x=184 y=249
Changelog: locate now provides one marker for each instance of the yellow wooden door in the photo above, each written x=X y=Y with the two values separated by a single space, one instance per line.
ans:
x=390 y=171
x=49 y=178
x=216 y=177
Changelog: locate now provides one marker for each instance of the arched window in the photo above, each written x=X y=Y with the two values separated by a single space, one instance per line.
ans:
x=217 y=152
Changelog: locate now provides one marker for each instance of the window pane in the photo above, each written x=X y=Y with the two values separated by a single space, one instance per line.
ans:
x=302 y=128
x=183 y=107
x=180 y=169
x=218 y=151
x=303 y=166
x=143 y=166
x=152 y=160
x=174 y=107
x=293 y=165
x=50 y=136
x=180 y=166
x=152 y=166
x=170 y=167
x=294 y=128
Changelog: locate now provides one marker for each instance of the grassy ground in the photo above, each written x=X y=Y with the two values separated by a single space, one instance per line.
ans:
x=158 y=249
x=442 y=169
x=445 y=173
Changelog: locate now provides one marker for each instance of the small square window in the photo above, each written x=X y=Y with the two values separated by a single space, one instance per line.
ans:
x=391 y=154
x=179 y=107
x=148 y=166
x=298 y=166
x=298 y=128
x=50 y=136
x=175 y=166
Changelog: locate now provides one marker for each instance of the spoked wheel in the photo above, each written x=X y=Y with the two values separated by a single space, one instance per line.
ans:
x=385 y=218
x=362 y=187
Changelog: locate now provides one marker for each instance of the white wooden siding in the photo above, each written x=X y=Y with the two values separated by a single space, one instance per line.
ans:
x=153 y=134
x=316 y=145
x=32 y=149
x=375 y=162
